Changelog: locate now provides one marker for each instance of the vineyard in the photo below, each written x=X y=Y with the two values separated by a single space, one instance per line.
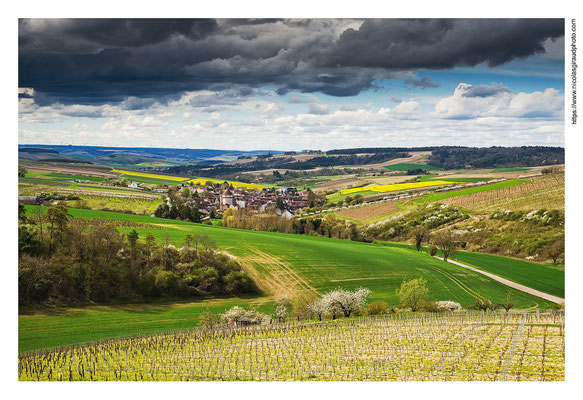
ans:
x=463 y=346
x=547 y=191
x=368 y=212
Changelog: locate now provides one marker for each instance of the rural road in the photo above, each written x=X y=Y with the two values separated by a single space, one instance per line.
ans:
x=513 y=285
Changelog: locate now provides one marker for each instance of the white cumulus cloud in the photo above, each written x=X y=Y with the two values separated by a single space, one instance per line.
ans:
x=496 y=100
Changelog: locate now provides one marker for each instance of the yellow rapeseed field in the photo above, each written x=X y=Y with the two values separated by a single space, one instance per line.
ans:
x=195 y=181
x=395 y=187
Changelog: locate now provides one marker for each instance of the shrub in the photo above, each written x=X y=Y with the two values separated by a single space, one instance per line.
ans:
x=433 y=250
x=447 y=306
x=236 y=313
x=281 y=312
x=376 y=308
x=301 y=303
x=208 y=320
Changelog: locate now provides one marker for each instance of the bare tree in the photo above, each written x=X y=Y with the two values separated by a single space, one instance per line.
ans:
x=556 y=250
x=446 y=242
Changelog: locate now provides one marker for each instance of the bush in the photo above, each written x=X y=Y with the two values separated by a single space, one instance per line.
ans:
x=376 y=308
x=209 y=321
x=236 y=313
x=447 y=306
x=300 y=304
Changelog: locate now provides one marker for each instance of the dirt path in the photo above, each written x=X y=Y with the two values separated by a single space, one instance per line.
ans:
x=513 y=285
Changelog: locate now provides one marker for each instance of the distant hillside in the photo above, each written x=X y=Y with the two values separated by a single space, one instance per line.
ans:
x=133 y=155
x=496 y=157
x=46 y=154
x=456 y=157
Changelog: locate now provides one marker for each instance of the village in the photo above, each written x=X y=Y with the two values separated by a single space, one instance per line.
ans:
x=286 y=201
x=215 y=197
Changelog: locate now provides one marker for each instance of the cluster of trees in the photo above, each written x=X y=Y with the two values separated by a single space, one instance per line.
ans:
x=329 y=226
x=413 y=295
x=334 y=304
x=265 y=162
x=352 y=159
x=377 y=150
x=179 y=206
x=496 y=157
x=61 y=260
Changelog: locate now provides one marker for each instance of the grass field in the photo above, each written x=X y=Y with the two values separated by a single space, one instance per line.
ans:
x=131 y=204
x=281 y=264
x=395 y=187
x=293 y=263
x=48 y=327
x=466 y=179
x=407 y=166
x=418 y=347
x=337 y=196
x=56 y=176
x=546 y=278
x=510 y=170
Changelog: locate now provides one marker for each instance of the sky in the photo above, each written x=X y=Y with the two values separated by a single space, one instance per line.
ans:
x=291 y=84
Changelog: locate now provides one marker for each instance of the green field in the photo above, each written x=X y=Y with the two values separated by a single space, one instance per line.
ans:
x=510 y=169
x=55 y=176
x=407 y=166
x=48 y=327
x=484 y=179
x=477 y=189
x=546 y=278
x=325 y=263
x=153 y=181
x=337 y=196
x=284 y=263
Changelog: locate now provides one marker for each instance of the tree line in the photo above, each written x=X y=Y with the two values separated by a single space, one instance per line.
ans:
x=496 y=157
x=63 y=260
x=328 y=226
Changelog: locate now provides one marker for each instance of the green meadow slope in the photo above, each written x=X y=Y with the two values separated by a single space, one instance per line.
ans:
x=280 y=263
x=294 y=263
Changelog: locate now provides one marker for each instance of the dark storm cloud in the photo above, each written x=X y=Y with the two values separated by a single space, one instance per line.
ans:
x=78 y=35
x=442 y=43
x=101 y=61
x=423 y=83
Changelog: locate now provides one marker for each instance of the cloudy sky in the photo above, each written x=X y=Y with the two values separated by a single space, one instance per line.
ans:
x=291 y=84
